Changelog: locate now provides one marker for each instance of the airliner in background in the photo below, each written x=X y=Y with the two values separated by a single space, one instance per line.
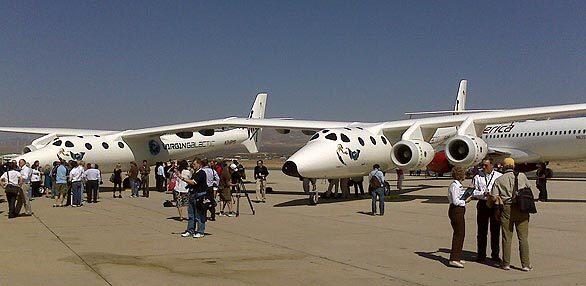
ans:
x=528 y=142
x=108 y=148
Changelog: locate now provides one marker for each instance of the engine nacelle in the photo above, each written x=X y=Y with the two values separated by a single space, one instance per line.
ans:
x=28 y=149
x=466 y=151
x=412 y=154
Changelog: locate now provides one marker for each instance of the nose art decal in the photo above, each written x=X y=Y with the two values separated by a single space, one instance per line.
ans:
x=342 y=152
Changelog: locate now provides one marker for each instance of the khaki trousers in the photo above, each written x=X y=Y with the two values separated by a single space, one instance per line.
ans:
x=24 y=199
x=513 y=218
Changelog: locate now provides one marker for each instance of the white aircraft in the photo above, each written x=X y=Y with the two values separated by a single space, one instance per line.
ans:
x=107 y=148
x=529 y=143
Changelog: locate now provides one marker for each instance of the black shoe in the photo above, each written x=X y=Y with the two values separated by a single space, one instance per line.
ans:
x=480 y=259
x=496 y=259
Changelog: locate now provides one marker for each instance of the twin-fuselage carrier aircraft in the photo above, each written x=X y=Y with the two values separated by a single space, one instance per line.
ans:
x=336 y=149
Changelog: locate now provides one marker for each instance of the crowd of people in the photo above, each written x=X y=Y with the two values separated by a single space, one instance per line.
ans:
x=502 y=208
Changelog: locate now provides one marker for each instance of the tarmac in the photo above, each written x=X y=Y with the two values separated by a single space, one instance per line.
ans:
x=136 y=242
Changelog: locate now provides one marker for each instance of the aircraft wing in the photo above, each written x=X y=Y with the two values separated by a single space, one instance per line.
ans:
x=234 y=122
x=56 y=131
x=476 y=122
x=519 y=155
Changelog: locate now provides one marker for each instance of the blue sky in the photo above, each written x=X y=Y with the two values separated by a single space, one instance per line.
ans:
x=119 y=65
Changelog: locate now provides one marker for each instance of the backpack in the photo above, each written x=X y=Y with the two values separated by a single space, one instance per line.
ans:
x=375 y=183
x=523 y=198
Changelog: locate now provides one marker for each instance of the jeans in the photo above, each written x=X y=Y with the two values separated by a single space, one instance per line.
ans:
x=92 y=191
x=380 y=192
x=196 y=214
x=134 y=185
x=76 y=191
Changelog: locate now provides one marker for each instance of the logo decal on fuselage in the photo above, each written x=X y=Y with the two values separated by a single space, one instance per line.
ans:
x=499 y=129
x=74 y=156
x=154 y=147
x=188 y=145
x=353 y=155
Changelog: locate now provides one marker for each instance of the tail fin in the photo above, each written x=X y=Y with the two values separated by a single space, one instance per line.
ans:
x=461 y=99
x=257 y=112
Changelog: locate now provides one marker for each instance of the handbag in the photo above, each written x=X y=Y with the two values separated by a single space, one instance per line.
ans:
x=523 y=198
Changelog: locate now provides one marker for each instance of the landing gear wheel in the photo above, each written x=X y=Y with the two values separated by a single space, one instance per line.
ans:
x=313 y=198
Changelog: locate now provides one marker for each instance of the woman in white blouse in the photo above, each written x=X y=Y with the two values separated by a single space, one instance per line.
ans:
x=456 y=214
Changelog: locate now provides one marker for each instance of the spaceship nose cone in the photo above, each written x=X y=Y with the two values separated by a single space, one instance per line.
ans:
x=290 y=169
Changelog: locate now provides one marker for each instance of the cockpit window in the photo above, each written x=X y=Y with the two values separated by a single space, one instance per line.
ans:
x=88 y=146
x=325 y=131
x=372 y=140
x=384 y=140
x=58 y=143
x=315 y=136
x=344 y=138
x=347 y=128
x=68 y=144
x=332 y=136
x=360 y=141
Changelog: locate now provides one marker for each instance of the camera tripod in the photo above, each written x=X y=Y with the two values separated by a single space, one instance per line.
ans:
x=241 y=188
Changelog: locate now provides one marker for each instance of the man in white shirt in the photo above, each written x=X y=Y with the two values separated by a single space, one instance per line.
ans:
x=76 y=176
x=11 y=181
x=25 y=196
x=93 y=178
x=485 y=215
x=213 y=181
x=160 y=176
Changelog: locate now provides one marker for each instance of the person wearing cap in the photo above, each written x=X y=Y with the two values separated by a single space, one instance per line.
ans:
x=512 y=217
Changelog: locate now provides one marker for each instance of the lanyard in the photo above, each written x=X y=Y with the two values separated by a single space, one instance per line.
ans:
x=487 y=182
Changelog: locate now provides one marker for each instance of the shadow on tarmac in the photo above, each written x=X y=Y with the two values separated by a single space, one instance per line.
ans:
x=467 y=256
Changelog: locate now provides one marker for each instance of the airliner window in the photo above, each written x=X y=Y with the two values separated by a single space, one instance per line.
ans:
x=372 y=140
x=332 y=136
x=121 y=145
x=574 y=131
x=68 y=144
x=105 y=145
x=96 y=135
x=347 y=128
x=344 y=138
x=315 y=136
x=325 y=131
x=360 y=141
x=88 y=146
x=383 y=139
x=58 y=143
x=79 y=136
x=360 y=128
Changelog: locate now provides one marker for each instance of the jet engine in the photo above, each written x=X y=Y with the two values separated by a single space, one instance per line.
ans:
x=465 y=151
x=412 y=154
x=28 y=149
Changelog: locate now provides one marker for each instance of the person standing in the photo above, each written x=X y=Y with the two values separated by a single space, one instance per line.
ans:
x=11 y=180
x=35 y=180
x=332 y=184
x=260 y=175
x=485 y=215
x=76 y=177
x=377 y=190
x=400 y=179
x=48 y=181
x=543 y=173
x=357 y=183
x=117 y=180
x=60 y=184
x=456 y=213
x=225 y=193
x=213 y=181
x=133 y=179
x=24 y=196
x=181 y=191
x=198 y=191
x=145 y=172
x=159 y=176
x=512 y=216
x=93 y=178
x=345 y=187
x=306 y=184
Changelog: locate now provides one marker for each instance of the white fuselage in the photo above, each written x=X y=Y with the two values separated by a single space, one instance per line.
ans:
x=109 y=150
x=526 y=142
